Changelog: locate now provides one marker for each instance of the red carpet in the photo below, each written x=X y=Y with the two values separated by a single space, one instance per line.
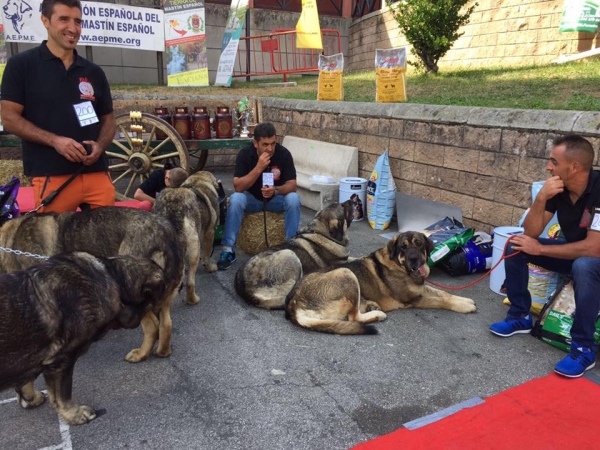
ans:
x=546 y=413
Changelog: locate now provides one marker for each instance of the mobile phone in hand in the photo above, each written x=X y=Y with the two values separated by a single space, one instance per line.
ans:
x=88 y=148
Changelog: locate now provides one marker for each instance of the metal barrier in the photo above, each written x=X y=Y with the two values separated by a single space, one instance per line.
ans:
x=276 y=54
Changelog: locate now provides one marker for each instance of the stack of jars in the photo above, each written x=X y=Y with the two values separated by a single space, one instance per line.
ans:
x=198 y=124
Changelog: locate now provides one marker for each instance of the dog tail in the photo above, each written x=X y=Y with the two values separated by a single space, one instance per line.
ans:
x=334 y=326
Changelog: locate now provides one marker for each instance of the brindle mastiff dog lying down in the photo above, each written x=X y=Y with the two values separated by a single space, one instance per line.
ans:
x=265 y=279
x=51 y=313
x=342 y=300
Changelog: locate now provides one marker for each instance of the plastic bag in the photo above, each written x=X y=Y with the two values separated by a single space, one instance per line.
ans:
x=381 y=194
x=447 y=235
x=543 y=283
x=473 y=257
x=9 y=208
x=556 y=319
x=331 y=69
x=390 y=68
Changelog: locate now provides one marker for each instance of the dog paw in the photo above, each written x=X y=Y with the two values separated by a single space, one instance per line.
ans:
x=37 y=400
x=163 y=353
x=372 y=306
x=135 y=356
x=192 y=299
x=78 y=415
x=465 y=305
x=212 y=267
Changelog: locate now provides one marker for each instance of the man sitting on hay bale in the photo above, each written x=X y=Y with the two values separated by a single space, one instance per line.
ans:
x=263 y=156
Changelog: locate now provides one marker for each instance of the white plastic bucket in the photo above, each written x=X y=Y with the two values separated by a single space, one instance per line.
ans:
x=354 y=189
x=501 y=235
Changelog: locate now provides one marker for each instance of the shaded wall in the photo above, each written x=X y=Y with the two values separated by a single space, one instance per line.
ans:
x=480 y=159
x=483 y=160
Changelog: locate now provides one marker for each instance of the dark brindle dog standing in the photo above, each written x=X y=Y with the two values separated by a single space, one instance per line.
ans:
x=51 y=313
x=105 y=232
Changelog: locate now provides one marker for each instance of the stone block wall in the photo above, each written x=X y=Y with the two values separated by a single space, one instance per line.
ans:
x=481 y=159
x=500 y=32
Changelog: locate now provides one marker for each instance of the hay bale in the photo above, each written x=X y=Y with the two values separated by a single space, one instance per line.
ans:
x=251 y=238
x=10 y=167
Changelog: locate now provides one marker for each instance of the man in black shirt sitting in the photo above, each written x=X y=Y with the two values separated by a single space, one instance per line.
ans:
x=573 y=192
x=263 y=156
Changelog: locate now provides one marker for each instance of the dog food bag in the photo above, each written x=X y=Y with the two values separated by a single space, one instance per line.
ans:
x=556 y=319
x=447 y=235
x=331 y=69
x=390 y=69
x=381 y=194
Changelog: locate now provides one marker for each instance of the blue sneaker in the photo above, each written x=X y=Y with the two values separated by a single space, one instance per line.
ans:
x=508 y=327
x=226 y=260
x=576 y=362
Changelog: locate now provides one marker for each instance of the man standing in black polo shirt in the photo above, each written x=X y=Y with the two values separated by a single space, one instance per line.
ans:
x=573 y=192
x=56 y=101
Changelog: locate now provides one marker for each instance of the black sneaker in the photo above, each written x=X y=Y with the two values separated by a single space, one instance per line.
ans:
x=226 y=260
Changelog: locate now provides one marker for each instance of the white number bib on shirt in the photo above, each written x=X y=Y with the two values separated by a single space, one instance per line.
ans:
x=595 y=220
x=268 y=179
x=86 y=113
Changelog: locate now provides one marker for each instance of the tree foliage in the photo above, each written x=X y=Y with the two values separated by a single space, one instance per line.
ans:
x=431 y=27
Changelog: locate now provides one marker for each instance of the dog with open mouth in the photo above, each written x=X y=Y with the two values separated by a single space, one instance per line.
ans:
x=345 y=299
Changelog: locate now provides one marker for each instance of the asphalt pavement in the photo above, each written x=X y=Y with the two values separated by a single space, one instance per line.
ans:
x=245 y=378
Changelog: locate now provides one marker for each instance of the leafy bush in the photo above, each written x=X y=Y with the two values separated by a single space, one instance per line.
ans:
x=431 y=27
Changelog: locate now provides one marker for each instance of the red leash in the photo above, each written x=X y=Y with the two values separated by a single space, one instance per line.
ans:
x=458 y=288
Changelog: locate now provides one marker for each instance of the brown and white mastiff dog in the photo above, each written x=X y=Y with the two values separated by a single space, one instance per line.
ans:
x=342 y=300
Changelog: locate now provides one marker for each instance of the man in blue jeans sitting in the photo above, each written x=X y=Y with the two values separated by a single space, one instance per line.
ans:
x=573 y=192
x=263 y=155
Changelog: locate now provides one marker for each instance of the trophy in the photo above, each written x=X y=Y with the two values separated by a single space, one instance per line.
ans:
x=244 y=114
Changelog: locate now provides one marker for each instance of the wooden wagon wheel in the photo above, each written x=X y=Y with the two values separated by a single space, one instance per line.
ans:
x=137 y=151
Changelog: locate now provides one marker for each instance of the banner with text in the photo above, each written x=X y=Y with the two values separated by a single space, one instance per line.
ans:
x=308 y=31
x=103 y=25
x=580 y=15
x=3 y=57
x=231 y=40
x=185 y=43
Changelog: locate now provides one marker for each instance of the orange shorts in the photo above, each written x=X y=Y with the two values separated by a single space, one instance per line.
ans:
x=95 y=189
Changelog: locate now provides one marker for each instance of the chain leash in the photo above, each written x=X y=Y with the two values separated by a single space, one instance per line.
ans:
x=22 y=253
